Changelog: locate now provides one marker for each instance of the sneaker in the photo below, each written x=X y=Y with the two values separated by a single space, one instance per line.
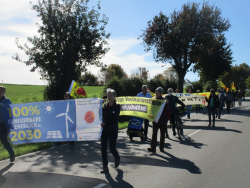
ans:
x=105 y=170
x=151 y=150
x=174 y=133
x=12 y=157
x=117 y=162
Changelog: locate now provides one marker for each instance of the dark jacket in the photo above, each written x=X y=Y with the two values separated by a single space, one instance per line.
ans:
x=216 y=101
x=110 y=117
x=164 y=115
x=229 y=96
x=173 y=100
x=222 y=97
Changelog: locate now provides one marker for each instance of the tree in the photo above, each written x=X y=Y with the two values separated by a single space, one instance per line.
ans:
x=180 y=37
x=170 y=74
x=72 y=36
x=248 y=82
x=113 y=70
x=89 y=79
x=141 y=72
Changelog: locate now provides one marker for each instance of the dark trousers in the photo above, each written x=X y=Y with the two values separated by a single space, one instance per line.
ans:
x=112 y=137
x=4 y=139
x=172 y=120
x=220 y=109
x=197 y=108
x=228 y=106
x=211 y=110
x=154 y=136
x=146 y=122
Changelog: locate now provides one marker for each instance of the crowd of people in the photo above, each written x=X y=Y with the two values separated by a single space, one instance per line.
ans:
x=111 y=111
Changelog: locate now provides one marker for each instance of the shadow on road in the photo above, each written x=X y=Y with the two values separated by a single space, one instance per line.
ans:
x=189 y=142
x=211 y=128
x=119 y=180
x=2 y=177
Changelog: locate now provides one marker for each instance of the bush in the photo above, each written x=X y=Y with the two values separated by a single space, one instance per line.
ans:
x=170 y=84
x=115 y=84
x=132 y=86
x=154 y=83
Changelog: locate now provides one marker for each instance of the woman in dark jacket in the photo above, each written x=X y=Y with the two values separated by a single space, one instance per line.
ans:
x=110 y=113
x=213 y=104
x=161 y=124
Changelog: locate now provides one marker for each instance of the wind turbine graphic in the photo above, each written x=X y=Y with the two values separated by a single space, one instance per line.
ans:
x=66 y=119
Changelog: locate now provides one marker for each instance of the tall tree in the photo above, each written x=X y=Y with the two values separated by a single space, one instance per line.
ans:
x=72 y=36
x=180 y=37
x=113 y=70
x=141 y=72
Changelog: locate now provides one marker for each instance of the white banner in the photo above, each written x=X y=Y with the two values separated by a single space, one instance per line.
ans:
x=88 y=119
x=191 y=99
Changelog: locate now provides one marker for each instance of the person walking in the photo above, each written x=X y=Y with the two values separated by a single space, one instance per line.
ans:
x=145 y=94
x=229 y=99
x=189 y=107
x=110 y=113
x=173 y=100
x=221 y=98
x=161 y=124
x=212 y=106
x=3 y=131
x=239 y=97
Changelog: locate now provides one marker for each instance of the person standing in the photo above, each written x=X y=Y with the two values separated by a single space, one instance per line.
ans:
x=145 y=94
x=189 y=107
x=229 y=99
x=173 y=100
x=197 y=106
x=212 y=106
x=239 y=97
x=110 y=113
x=161 y=124
x=221 y=98
x=3 y=131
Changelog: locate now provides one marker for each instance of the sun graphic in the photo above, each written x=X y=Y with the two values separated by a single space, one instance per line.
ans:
x=48 y=108
x=89 y=117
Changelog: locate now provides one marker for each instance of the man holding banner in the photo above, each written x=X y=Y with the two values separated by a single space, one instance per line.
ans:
x=3 y=132
x=145 y=94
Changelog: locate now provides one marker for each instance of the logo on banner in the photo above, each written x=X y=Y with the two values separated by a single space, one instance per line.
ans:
x=66 y=119
x=89 y=117
x=48 y=108
x=53 y=134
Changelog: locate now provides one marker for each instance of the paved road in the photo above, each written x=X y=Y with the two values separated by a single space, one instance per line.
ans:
x=209 y=157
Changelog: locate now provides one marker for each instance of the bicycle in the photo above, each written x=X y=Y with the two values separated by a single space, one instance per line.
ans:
x=180 y=112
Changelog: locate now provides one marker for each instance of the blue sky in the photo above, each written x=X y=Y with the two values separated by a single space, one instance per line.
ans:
x=126 y=20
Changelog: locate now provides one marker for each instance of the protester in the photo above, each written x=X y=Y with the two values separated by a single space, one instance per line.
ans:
x=177 y=91
x=221 y=98
x=3 y=131
x=197 y=107
x=189 y=107
x=239 y=97
x=212 y=106
x=205 y=108
x=229 y=99
x=110 y=112
x=145 y=94
x=173 y=100
x=161 y=124
x=71 y=143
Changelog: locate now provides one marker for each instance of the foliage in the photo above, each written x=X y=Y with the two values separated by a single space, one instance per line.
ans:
x=180 y=37
x=115 y=84
x=89 y=79
x=113 y=70
x=154 y=83
x=132 y=86
x=71 y=38
x=248 y=82
x=196 y=86
x=141 y=72
x=210 y=85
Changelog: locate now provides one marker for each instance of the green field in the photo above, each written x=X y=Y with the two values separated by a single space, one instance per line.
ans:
x=34 y=93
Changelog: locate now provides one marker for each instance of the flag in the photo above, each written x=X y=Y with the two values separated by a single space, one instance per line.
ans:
x=76 y=90
x=233 y=88
x=189 y=84
x=223 y=85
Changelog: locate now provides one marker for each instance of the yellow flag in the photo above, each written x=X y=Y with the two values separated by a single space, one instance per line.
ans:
x=233 y=88
x=77 y=91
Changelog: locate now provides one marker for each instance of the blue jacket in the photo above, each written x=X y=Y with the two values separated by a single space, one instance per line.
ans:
x=4 y=101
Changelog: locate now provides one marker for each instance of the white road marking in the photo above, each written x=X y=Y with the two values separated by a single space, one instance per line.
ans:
x=100 y=185
x=194 y=132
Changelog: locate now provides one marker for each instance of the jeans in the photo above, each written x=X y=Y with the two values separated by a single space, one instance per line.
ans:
x=154 y=136
x=211 y=110
x=197 y=107
x=112 y=137
x=146 y=122
x=205 y=108
x=189 y=107
x=240 y=102
x=4 y=140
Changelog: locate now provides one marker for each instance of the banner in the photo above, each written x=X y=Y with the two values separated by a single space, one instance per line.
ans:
x=76 y=90
x=190 y=99
x=146 y=108
x=54 y=121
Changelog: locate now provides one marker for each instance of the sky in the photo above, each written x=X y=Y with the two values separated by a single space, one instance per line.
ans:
x=127 y=19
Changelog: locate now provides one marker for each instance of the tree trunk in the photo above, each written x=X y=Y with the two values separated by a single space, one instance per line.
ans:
x=181 y=81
